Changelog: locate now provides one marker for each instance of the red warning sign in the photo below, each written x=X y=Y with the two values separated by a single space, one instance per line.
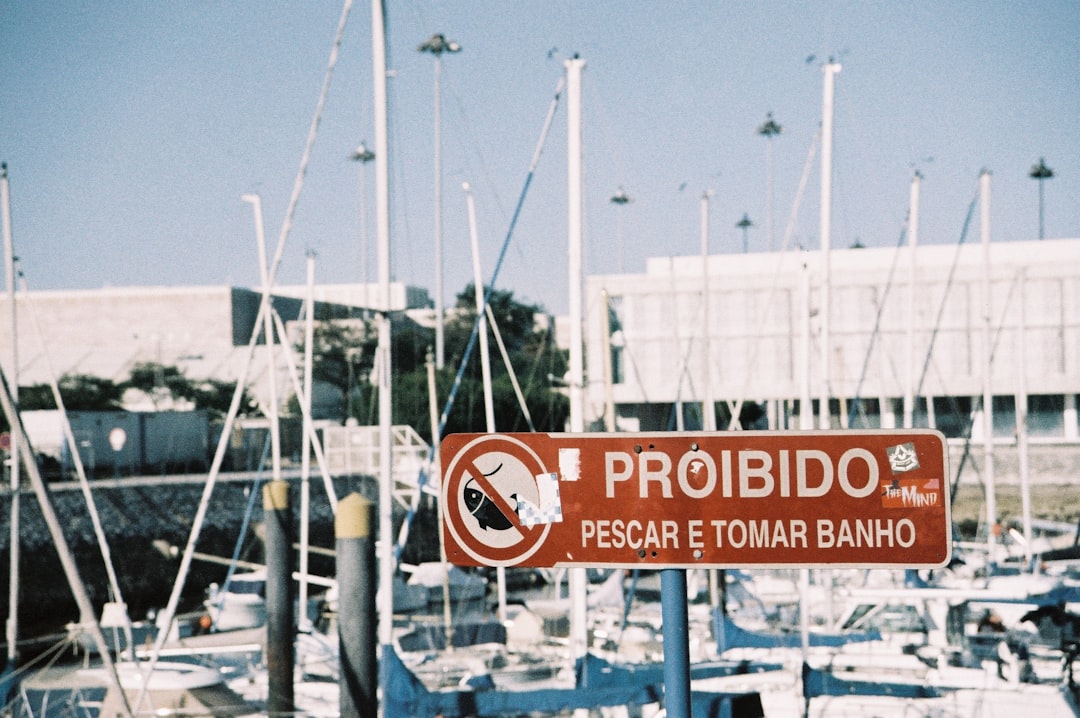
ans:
x=482 y=487
x=733 y=499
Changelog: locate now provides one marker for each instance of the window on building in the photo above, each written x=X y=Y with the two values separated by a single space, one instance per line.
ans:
x=1046 y=415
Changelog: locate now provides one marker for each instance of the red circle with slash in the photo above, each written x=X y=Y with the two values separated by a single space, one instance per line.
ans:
x=481 y=488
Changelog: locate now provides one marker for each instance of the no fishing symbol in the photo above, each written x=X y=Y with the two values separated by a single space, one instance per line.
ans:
x=500 y=500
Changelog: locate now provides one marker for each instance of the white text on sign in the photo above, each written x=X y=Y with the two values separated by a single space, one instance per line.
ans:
x=739 y=533
x=746 y=473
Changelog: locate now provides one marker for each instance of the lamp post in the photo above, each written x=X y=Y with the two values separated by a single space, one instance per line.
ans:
x=437 y=44
x=363 y=155
x=769 y=130
x=1041 y=172
x=620 y=199
x=745 y=224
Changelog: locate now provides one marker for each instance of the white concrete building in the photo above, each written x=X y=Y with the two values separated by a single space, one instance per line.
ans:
x=203 y=331
x=898 y=326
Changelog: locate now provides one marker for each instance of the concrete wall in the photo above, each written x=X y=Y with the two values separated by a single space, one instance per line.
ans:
x=765 y=324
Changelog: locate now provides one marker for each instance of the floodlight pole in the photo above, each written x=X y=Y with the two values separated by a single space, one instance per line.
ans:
x=769 y=130
x=620 y=199
x=437 y=44
x=363 y=155
x=1041 y=172
x=745 y=224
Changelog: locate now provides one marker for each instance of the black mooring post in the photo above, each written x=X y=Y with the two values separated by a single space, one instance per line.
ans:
x=280 y=626
x=357 y=624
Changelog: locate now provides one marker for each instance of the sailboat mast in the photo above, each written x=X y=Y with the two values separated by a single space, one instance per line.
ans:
x=481 y=314
x=988 y=394
x=913 y=245
x=382 y=319
x=831 y=70
x=708 y=412
x=574 y=68
x=305 y=450
x=806 y=409
x=12 y=627
x=268 y=334
x=485 y=360
x=63 y=550
x=1021 y=418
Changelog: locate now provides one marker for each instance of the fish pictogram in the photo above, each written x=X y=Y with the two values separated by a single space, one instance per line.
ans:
x=483 y=509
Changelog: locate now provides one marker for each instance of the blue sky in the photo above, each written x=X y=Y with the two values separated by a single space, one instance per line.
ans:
x=132 y=129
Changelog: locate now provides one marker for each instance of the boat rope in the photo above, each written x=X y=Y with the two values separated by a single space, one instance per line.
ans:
x=771 y=296
x=968 y=419
x=502 y=252
x=313 y=437
x=855 y=400
x=49 y=656
x=63 y=550
x=36 y=665
x=80 y=471
x=613 y=312
x=423 y=477
x=241 y=535
x=542 y=347
x=928 y=361
x=234 y=406
x=945 y=295
x=509 y=367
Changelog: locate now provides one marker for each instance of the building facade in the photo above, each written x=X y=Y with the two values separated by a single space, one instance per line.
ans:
x=203 y=331
x=888 y=337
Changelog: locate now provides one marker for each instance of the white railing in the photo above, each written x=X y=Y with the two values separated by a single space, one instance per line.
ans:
x=353 y=450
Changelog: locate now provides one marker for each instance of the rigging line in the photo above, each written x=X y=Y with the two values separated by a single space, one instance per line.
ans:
x=502 y=253
x=937 y=326
x=789 y=231
x=69 y=436
x=49 y=656
x=627 y=353
x=945 y=294
x=877 y=325
x=933 y=337
x=681 y=373
x=474 y=143
x=548 y=119
x=509 y=367
x=313 y=437
x=684 y=360
x=234 y=406
x=298 y=182
x=56 y=531
x=541 y=351
x=241 y=535
x=169 y=613
x=969 y=419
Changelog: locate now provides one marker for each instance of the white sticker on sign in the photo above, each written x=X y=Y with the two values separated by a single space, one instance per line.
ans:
x=570 y=464
x=550 y=509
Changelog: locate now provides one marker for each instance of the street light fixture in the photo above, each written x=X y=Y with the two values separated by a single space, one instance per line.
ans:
x=363 y=155
x=620 y=199
x=437 y=44
x=745 y=224
x=1041 y=172
x=768 y=130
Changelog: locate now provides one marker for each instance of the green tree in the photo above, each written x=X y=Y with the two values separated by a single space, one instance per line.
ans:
x=161 y=381
x=344 y=354
x=82 y=392
x=215 y=396
x=533 y=356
